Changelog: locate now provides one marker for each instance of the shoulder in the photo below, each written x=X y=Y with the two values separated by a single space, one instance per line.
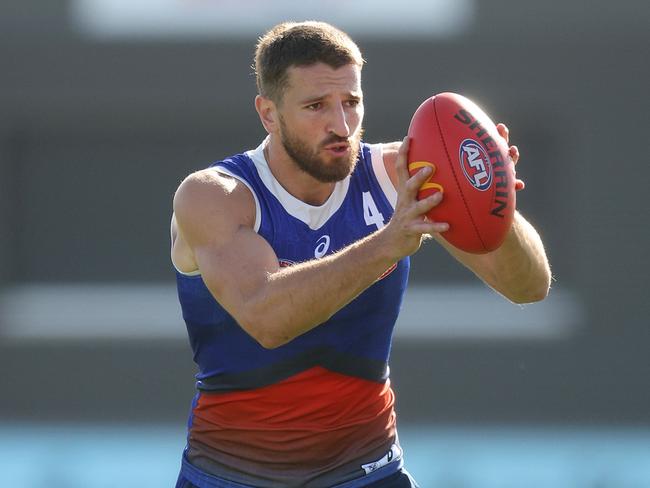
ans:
x=209 y=195
x=389 y=156
x=389 y=151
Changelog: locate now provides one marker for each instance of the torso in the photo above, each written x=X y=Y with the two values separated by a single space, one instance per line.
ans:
x=314 y=411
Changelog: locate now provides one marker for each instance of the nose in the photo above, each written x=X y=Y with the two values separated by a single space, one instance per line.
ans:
x=338 y=123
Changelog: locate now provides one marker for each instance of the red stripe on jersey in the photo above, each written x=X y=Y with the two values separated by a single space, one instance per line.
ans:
x=314 y=420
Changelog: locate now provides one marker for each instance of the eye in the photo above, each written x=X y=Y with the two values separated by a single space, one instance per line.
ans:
x=353 y=102
x=314 y=106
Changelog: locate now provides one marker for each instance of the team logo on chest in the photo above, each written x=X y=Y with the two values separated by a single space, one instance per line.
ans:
x=322 y=246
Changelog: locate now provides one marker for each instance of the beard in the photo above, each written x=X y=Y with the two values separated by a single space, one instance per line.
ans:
x=312 y=162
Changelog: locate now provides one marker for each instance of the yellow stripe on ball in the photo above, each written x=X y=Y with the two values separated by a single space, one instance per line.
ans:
x=427 y=185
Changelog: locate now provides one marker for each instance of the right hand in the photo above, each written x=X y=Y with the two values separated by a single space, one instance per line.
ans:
x=408 y=224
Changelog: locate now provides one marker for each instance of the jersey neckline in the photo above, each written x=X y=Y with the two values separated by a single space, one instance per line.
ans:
x=313 y=216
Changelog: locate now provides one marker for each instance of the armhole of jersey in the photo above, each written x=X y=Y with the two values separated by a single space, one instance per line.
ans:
x=378 y=167
x=171 y=253
x=258 y=211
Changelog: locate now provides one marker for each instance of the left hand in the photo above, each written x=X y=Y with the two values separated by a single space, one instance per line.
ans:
x=513 y=152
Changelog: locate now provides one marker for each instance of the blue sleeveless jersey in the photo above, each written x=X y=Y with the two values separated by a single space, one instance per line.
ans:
x=349 y=352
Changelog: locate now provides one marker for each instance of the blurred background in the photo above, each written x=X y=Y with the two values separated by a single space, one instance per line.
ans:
x=105 y=105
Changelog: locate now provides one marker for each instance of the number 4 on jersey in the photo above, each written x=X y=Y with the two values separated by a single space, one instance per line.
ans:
x=371 y=213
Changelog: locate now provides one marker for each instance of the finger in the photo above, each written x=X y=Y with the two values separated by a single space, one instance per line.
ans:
x=513 y=151
x=440 y=226
x=401 y=164
x=423 y=206
x=503 y=131
x=418 y=179
x=519 y=185
x=428 y=227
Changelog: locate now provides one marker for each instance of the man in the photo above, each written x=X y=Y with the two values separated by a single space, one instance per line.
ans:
x=292 y=260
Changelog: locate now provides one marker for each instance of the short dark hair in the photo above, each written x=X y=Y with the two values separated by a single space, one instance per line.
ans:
x=299 y=44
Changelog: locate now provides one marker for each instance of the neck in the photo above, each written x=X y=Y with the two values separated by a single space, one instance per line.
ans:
x=301 y=185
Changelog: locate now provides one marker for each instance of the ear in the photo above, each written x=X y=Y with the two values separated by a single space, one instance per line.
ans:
x=268 y=113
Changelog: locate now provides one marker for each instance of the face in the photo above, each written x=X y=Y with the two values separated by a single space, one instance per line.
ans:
x=320 y=118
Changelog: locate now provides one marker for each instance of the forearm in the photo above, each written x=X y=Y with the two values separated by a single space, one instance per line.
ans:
x=519 y=268
x=295 y=299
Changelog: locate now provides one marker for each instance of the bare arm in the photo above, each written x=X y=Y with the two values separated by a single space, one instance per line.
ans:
x=519 y=268
x=214 y=214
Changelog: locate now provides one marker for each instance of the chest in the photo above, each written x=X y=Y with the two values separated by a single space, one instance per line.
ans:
x=362 y=212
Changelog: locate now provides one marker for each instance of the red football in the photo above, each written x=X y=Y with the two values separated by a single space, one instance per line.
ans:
x=473 y=170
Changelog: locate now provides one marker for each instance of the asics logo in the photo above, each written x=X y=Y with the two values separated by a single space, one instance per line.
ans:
x=322 y=246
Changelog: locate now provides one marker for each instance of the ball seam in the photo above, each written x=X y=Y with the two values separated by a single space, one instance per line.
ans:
x=460 y=191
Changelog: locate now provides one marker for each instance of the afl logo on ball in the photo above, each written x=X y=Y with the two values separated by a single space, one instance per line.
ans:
x=476 y=164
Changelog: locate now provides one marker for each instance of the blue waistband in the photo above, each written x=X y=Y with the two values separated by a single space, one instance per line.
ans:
x=204 y=480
